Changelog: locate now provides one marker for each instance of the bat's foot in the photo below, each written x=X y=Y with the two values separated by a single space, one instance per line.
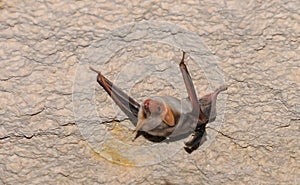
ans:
x=190 y=149
x=194 y=143
x=198 y=138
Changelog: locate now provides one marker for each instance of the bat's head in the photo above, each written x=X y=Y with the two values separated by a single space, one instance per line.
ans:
x=155 y=115
x=158 y=108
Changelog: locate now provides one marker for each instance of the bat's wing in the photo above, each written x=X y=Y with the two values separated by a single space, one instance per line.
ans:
x=127 y=104
x=196 y=110
x=208 y=103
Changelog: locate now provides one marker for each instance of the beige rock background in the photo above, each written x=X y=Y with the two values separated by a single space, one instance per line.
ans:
x=255 y=42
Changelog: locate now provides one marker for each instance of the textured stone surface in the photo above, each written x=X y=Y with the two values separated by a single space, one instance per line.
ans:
x=255 y=42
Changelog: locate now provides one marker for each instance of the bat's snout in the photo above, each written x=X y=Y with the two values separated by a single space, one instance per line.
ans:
x=146 y=106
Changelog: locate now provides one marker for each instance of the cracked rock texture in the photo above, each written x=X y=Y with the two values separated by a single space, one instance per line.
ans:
x=255 y=42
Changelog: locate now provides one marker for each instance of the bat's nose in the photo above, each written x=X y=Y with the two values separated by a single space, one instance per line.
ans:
x=147 y=103
x=146 y=106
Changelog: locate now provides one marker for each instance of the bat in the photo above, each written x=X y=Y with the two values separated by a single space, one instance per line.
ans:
x=161 y=117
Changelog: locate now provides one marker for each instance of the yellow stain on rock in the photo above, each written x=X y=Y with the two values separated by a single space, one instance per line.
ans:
x=113 y=149
x=122 y=133
x=106 y=153
x=116 y=156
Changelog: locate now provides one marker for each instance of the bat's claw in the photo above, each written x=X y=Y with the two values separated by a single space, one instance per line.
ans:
x=95 y=70
x=222 y=88
x=194 y=143
x=182 y=60
x=197 y=139
x=189 y=149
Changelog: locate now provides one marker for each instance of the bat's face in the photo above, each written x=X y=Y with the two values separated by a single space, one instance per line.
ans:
x=158 y=108
x=155 y=117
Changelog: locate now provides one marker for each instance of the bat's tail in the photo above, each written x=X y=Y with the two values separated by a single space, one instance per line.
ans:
x=95 y=70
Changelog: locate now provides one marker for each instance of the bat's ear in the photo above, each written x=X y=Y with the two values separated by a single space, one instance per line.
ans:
x=169 y=117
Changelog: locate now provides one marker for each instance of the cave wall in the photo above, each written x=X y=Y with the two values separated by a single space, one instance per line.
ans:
x=46 y=47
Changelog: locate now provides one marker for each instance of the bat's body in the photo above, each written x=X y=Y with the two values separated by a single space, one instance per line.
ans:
x=154 y=125
x=165 y=116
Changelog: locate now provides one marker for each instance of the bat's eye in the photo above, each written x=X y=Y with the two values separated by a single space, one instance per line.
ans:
x=158 y=109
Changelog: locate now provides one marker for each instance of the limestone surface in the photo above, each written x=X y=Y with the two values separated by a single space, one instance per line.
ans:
x=48 y=98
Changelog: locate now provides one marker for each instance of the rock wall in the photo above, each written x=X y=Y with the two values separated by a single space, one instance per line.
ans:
x=44 y=44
